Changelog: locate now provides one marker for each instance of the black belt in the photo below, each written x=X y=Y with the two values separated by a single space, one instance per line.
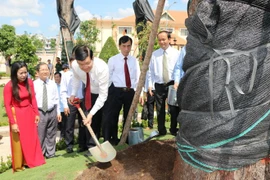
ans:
x=125 y=89
x=48 y=111
x=171 y=82
x=164 y=84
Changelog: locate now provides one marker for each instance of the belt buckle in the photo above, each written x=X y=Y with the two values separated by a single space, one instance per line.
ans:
x=126 y=89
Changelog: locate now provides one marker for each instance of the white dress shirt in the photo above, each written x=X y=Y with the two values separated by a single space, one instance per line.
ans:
x=117 y=72
x=66 y=88
x=52 y=94
x=99 y=81
x=178 y=72
x=146 y=83
x=156 y=65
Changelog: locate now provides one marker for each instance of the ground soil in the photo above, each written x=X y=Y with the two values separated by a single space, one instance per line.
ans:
x=149 y=160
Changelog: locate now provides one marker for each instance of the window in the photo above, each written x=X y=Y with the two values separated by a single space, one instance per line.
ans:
x=183 y=32
x=124 y=30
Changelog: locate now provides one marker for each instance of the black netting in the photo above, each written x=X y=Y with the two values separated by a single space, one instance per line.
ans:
x=226 y=88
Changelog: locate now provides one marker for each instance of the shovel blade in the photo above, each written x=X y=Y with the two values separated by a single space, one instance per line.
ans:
x=105 y=154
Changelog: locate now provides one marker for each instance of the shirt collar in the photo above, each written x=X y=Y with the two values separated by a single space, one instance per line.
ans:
x=122 y=56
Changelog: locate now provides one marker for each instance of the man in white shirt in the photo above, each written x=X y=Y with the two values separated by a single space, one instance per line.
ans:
x=124 y=76
x=61 y=125
x=94 y=73
x=150 y=103
x=49 y=110
x=70 y=111
x=160 y=73
x=50 y=68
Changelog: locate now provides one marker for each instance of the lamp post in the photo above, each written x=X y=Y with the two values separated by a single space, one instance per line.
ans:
x=167 y=13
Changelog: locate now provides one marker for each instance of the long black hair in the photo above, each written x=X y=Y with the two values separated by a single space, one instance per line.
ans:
x=14 y=79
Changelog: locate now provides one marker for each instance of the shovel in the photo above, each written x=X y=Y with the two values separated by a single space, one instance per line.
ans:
x=153 y=134
x=102 y=152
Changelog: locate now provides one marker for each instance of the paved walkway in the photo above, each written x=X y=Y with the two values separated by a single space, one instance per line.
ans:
x=4 y=131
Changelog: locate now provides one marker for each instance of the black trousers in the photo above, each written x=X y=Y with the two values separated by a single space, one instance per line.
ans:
x=174 y=111
x=62 y=125
x=95 y=125
x=150 y=106
x=117 y=98
x=70 y=125
x=161 y=93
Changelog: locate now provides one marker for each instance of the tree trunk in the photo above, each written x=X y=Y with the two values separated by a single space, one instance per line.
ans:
x=182 y=170
x=149 y=51
x=65 y=6
x=192 y=6
x=259 y=171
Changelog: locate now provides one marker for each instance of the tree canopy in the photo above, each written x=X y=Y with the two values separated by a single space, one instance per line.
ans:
x=7 y=40
x=25 y=50
x=143 y=37
x=88 y=34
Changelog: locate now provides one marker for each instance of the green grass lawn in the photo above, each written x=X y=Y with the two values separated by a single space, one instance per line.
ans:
x=64 y=167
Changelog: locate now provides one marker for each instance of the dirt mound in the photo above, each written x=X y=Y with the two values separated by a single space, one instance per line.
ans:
x=149 y=160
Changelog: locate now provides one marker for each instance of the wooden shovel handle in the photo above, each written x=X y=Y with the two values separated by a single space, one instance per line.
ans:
x=90 y=129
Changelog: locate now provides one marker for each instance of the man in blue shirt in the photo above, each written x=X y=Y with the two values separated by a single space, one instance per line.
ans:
x=178 y=72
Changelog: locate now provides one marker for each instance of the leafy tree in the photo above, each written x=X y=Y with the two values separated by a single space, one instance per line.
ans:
x=7 y=39
x=39 y=44
x=53 y=43
x=143 y=37
x=108 y=50
x=88 y=34
x=25 y=50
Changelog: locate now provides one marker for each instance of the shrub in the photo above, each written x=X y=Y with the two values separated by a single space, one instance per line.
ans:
x=3 y=74
x=144 y=123
x=60 y=145
x=5 y=165
x=108 y=50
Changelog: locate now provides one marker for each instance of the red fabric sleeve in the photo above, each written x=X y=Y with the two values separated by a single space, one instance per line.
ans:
x=34 y=101
x=8 y=102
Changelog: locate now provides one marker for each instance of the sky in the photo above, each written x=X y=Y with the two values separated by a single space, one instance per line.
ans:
x=40 y=16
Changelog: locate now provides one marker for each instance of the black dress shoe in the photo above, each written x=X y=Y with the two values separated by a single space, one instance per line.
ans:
x=162 y=133
x=114 y=142
x=173 y=133
x=81 y=150
x=53 y=156
x=69 y=150
x=87 y=154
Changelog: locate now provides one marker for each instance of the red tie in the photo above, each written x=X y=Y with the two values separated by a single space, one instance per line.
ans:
x=127 y=77
x=87 y=98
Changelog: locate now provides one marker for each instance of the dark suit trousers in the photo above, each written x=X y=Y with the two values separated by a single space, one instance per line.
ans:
x=95 y=125
x=161 y=92
x=62 y=125
x=117 y=98
x=174 y=111
x=150 y=106
x=70 y=125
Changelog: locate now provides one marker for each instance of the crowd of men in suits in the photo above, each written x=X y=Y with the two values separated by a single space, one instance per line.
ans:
x=102 y=91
